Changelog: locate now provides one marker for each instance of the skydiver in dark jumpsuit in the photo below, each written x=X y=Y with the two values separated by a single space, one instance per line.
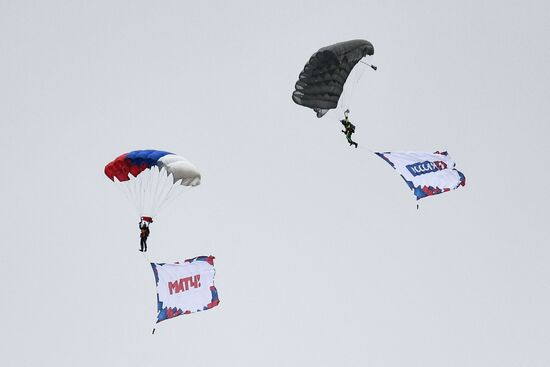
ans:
x=144 y=233
x=349 y=128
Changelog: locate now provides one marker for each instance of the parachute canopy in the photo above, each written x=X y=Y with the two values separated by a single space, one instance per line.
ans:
x=183 y=288
x=321 y=83
x=152 y=178
x=133 y=163
x=426 y=173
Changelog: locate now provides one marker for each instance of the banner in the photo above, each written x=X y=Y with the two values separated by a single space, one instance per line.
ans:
x=187 y=287
x=426 y=173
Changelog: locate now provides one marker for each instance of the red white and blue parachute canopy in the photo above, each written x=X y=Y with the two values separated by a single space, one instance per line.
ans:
x=134 y=163
x=426 y=174
x=152 y=178
x=184 y=288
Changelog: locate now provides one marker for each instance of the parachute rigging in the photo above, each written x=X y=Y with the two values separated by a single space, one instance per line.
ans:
x=152 y=178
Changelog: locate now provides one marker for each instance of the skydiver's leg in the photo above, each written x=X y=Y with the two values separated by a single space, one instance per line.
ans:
x=145 y=244
x=142 y=244
x=350 y=141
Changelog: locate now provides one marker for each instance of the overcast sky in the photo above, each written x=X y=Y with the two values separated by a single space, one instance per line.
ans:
x=321 y=256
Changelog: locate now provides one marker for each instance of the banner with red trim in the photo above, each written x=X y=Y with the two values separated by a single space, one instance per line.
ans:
x=184 y=288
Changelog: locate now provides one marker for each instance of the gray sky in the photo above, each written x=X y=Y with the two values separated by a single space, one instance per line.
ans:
x=322 y=257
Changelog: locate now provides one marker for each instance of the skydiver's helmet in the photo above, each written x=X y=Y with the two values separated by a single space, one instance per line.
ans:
x=346 y=112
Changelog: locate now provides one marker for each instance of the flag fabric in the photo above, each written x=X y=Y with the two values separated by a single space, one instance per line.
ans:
x=426 y=174
x=184 y=288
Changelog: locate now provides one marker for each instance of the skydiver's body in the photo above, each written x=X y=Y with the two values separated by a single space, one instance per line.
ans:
x=144 y=233
x=349 y=128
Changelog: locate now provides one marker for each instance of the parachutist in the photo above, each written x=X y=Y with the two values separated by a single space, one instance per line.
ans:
x=349 y=128
x=144 y=233
x=151 y=177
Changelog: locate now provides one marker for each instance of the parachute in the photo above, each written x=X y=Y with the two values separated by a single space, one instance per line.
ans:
x=426 y=174
x=321 y=82
x=152 y=178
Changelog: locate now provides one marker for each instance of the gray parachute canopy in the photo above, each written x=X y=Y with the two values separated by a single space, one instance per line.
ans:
x=321 y=83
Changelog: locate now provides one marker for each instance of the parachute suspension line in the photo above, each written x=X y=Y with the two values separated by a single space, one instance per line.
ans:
x=135 y=194
x=149 y=205
x=175 y=190
x=137 y=189
x=154 y=189
x=148 y=202
x=366 y=149
x=357 y=77
x=122 y=188
x=145 y=190
x=130 y=188
x=135 y=185
x=152 y=192
x=129 y=185
x=157 y=183
x=349 y=88
x=164 y=178
x=167 y=183
x=148 y=180
x=146 y=257
x=125 y=189
x=166 y=188
x=173 y=195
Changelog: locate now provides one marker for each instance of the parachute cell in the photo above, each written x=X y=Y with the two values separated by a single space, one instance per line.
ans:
x=321 y=82
x=133 y=163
